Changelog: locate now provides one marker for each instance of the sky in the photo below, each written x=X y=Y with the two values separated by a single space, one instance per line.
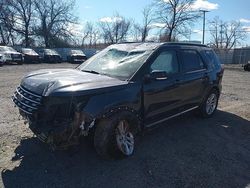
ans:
x=226 y=10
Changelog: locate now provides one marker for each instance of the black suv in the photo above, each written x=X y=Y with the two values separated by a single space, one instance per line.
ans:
x=119 y=92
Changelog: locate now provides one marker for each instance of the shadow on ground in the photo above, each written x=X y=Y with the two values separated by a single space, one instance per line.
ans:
x=189 y=152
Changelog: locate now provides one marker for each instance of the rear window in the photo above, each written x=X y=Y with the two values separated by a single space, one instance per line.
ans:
x=191 y=61
x=212 y=58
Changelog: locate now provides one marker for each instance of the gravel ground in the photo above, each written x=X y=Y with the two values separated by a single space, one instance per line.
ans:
x=184 y=152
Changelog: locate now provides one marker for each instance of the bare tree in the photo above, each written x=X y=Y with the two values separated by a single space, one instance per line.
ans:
x=91 y=34
x=215 y=32
x=226 y=35
x=115 y=30
x=176 y=16
x=23 y=12
x=234 y=34
x=86 y=32
x=145 y=27
x=55 y=18
x=6 y=23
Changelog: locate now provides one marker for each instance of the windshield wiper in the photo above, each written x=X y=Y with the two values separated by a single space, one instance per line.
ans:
x=91 y=71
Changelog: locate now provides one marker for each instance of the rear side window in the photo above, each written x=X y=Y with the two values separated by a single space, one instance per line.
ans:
x=191 y=61
x=166 y=61
x=212 y=58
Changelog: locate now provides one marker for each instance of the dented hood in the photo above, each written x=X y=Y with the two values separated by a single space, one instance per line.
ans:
x=56 y=82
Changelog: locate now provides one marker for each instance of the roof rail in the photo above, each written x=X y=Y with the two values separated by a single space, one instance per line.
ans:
x=185 y=43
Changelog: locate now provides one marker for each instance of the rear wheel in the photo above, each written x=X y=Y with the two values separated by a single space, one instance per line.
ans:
x=209 y=105
x=115 y=137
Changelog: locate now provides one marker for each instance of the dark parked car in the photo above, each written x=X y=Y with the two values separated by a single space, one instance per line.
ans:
x=247 y=66
x=1 y=60
x=49 y=56
x=76 y=56
x=30 y=56
x=9 y=55
x=119 y=92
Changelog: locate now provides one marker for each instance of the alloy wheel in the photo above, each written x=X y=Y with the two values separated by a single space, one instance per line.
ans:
x=211 y=103
x=124 y=138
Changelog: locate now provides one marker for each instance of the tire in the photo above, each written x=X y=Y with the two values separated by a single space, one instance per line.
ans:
x=115 y=136
x=247 y=67
x=209 y=105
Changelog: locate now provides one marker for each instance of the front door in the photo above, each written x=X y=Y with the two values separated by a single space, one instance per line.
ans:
x=162 y=97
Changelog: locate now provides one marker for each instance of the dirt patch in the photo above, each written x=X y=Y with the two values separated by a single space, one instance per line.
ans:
x=184 y=152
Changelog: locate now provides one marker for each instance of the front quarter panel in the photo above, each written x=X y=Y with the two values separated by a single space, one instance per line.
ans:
x=129 y=97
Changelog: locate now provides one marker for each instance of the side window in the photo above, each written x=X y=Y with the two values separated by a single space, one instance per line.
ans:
x=191 y=60
x=166 y=61
x=212 y=58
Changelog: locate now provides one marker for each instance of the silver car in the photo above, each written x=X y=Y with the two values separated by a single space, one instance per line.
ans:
x=10 y=55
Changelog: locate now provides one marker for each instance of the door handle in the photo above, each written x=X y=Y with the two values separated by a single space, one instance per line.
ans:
x=177 y=81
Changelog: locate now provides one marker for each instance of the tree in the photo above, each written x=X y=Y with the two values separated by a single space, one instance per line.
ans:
x=6 y=23
x=176 y=16
x=115 y=30
x=90 y=34
x=215 y=32
x=24 y=11
x=226 y=35
x=55 y=17
x=145 y=27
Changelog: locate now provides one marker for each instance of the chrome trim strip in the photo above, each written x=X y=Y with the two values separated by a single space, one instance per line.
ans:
x=25 y=104
x=30 y=92
x=170 y=117
x=27 y=98
x=30 y=113
x=194 y=71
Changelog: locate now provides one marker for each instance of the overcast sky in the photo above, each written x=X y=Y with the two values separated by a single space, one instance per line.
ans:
x=227 y=10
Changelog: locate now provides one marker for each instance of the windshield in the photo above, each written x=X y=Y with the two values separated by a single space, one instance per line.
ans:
x=28 y=51
x=50 y=52
x=78 y=52
x=116 y=62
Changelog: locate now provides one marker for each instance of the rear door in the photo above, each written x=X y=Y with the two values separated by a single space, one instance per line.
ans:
x=194 y=77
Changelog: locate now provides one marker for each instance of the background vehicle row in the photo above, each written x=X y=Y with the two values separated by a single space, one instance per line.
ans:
x=27 y=55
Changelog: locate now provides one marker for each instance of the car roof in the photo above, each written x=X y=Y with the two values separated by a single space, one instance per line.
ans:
x=136 y=46
x=143 y=46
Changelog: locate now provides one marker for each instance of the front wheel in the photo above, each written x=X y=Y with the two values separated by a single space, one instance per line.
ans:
x=209 y=105
x=115 y=137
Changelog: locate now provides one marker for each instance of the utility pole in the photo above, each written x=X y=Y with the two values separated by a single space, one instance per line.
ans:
x=204 y=22
x=221 y=35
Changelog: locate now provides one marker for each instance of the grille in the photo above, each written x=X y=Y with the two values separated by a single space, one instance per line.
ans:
x=16 y=56
x=26 y=101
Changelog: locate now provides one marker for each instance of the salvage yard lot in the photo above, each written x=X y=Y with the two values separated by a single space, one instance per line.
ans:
x=185 y=152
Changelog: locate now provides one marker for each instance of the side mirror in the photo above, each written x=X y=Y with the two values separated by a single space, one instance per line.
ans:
x=158 y=75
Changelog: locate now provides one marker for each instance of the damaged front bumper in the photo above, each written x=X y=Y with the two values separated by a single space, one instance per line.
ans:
x=62 y=135
x=54 y=121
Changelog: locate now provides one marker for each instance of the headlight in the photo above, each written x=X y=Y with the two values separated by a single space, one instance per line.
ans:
x=8 y=55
